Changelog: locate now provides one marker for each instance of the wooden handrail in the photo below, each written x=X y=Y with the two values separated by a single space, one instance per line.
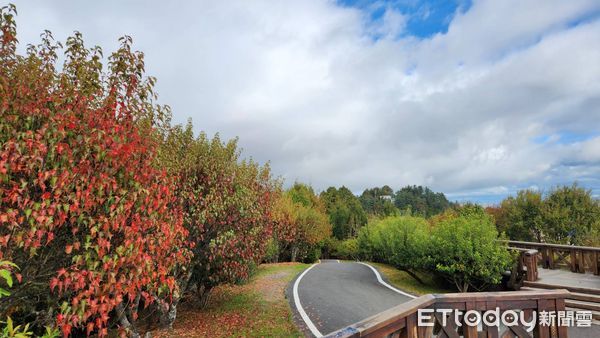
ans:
x=402 y=320
x=551 y=245
x=576 y=258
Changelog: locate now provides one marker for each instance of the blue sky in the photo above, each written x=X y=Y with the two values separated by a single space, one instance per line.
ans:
x=423 y=18
x=476 y=99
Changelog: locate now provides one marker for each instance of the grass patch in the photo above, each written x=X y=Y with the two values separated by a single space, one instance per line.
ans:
x=255 y=309
x=404 y=281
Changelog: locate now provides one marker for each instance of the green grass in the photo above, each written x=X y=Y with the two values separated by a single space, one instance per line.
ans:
x=405 y=282
x=255 y=309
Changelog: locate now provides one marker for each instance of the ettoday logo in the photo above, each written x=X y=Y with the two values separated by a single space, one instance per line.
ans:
x=507 y=318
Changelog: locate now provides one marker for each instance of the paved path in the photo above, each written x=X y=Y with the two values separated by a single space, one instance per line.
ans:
x=334 y=295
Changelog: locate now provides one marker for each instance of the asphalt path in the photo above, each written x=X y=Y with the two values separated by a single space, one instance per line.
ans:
x=333 y=295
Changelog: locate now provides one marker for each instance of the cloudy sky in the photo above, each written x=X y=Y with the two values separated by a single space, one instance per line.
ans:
x=476 y=99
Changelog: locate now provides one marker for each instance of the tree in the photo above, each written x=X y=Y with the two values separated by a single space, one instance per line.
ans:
x=227 y=206
x=93 y=223
x=421 y=201
x=345 y=212
x=566 y=215
x=570 y=215
x=522 y=217
x=310 y=223
x=378 y=201
x=464 y=249
x=285 y=225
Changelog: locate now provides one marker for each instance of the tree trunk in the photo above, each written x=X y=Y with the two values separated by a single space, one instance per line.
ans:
x=294 y=253
x=125 y=323
x=204 y=294
x=168 y=314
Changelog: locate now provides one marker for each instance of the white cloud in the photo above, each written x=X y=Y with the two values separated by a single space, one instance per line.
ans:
x=304 y=85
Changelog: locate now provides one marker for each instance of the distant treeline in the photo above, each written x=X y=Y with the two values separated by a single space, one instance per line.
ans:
x=412 y=200
x=566 y=214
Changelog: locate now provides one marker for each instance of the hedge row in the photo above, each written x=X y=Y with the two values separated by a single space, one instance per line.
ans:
x=109 y=210
x=460 y=248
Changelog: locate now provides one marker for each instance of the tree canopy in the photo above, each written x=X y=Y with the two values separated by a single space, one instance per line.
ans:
x=345 y=212
x=422 y=201
x=567 y=214
x=378 y=201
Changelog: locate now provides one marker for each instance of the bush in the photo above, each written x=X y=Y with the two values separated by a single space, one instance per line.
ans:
x=226 y=203
x=311 y=255
x=82 y=202
x=347 y=249
x=459 y=246
x=338 y=249
x=465 y=251
x=272 y=251
x=400 y=241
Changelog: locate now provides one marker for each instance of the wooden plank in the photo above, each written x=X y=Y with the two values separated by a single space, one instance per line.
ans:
x=490 y=331
x=580 y=261
x=388 y=329
x=550 y=245
x=520 y=332
x=585 y=297
x=390 y=316
x=410 y=331
x=469 y=331
x=542 y=285
x=541 y=331
x=424 y=331
x=559 y=292
x=561 y=330
x=517 y=304
x=450 y=329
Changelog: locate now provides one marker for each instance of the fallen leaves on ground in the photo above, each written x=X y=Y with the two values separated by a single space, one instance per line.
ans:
x=255 y=309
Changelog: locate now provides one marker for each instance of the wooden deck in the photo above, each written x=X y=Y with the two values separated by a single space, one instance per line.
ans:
x=568 y=279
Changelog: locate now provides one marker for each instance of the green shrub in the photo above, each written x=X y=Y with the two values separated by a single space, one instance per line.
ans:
x=459 y=247
x=272 y=251
x=347 y=249
x=400 y=241
x=312 y=254
x=465 y=251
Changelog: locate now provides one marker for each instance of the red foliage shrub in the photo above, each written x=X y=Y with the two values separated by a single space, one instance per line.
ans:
x=227 y=205
x=84 y=211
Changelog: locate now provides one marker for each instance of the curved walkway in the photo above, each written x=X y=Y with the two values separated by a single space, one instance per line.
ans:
x=332 y=295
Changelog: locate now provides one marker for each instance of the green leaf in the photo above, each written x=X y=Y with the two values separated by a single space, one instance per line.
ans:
x=7 y=277
x=4 y=293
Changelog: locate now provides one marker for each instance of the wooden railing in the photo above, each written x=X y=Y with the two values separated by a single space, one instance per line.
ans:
x=526 y=267
x=402 y=320
x=576 y=258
